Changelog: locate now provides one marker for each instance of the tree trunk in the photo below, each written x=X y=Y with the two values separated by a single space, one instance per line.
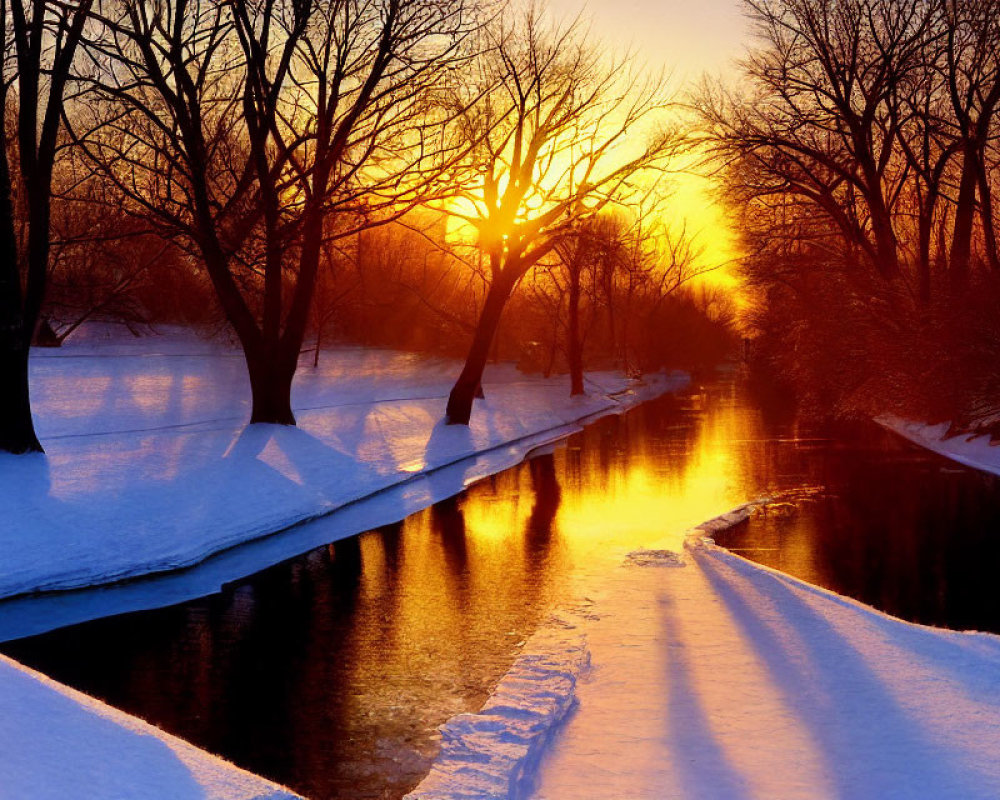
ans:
x=925 y=226
x=575 y=347
x=271 y=387
x=986 y=214
x=459 y=408
x=924 y=261
x=886 y=244
x=965 y=209
x=17 y=429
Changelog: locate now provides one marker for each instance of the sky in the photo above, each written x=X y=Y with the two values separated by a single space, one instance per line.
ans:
x=686 y=38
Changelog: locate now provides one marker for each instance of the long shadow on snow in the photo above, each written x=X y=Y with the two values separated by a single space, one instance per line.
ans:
x=702 y=764
x=849 y=710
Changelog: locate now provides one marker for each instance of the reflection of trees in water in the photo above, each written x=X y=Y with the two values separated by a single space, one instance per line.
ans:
x=448 y=522
x=572 y=464
x=913 y=536
x=415 y=620
x=392 y=546
x=540 y=527
x=896 y=528
x=605 y=451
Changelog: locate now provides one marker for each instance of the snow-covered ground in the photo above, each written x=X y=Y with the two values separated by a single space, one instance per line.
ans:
x=973 y=451
x=56 y=743
x=149 y=465
x=712 y=677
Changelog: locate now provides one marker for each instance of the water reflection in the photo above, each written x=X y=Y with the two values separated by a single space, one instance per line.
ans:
x=331 y=672
x=899 y=529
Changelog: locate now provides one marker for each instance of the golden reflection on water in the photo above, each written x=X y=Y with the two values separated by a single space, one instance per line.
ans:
x=659 y=489
x=633 y=481
x=444 y=601
x=332 y=672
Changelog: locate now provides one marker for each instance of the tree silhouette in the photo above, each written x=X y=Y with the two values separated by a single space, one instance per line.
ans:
x=550 y=149
x=40 y=40
x=255 y=133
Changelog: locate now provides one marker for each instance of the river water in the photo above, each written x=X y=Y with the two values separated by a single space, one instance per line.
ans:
x=331 y=672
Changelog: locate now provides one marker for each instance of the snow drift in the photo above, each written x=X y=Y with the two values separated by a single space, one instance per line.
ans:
x=717 y=677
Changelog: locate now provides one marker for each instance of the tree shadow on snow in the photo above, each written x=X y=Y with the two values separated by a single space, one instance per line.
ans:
x=870 y=741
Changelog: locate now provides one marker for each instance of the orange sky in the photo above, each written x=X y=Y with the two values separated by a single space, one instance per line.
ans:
x=686 y=38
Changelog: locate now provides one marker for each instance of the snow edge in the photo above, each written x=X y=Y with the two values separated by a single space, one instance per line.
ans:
x=499 y=456
x=488 y=755
x=969 y=450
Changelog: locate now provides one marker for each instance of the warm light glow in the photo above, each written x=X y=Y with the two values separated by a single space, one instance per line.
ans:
x=708 y=475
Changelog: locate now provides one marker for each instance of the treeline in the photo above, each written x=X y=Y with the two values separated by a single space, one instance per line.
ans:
x=618 y=297
x=861 y=151
x=305 y=164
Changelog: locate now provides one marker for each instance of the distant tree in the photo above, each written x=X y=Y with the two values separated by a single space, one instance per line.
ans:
x=102 y=264
x=583 y=252
x=40 y=40
x=399 y=285
x=971 y=68
x=550 y=151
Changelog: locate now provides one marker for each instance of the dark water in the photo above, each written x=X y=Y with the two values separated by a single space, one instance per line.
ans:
x=905 y=531
x=331 y=672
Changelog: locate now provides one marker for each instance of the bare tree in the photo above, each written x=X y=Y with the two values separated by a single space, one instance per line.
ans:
x=592 y=249
x=820 y=123
x=242 y=128
x=40 y=40
x=864 y=153
x=972 y=73
x=550 y=151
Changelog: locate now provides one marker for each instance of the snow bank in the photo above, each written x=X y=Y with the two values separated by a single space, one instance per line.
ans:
x=494 y=754
x=58 y=743
x=149 y=465
x=721 y=678
x=972 y=451
x=488 y=755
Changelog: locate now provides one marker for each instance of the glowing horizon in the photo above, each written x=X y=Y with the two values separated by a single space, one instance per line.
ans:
x=686 y=41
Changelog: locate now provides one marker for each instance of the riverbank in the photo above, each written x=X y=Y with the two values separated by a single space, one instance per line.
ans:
x=972 y=451
x=150 y=467
x=57 y=743
x=710 y=676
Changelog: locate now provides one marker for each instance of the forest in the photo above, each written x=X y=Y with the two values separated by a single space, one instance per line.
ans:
x=486 y=181
x=860 y=152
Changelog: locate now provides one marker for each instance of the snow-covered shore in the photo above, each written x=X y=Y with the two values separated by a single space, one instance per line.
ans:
x=722 y=678
x=56 y=743
x=149 y=465
x=972 y=451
